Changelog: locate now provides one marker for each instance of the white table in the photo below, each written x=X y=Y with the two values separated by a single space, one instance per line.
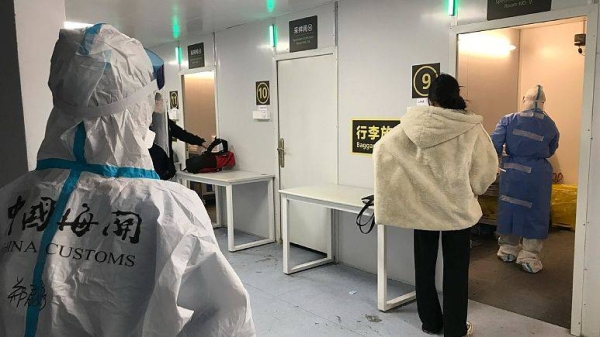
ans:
x=345 y=199
x=228 y=179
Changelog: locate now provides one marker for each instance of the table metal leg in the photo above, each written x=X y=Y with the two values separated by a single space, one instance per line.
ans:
x=331 y=248
x=271 y=201
x=271 y=221
x=285 y=234
x=381 y=268
x=219 y=202
x=382 y=302
x=230 y=228
x=183 y=181
x=285 y=229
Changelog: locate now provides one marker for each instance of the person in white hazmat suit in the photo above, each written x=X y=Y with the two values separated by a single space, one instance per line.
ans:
x=93 y=243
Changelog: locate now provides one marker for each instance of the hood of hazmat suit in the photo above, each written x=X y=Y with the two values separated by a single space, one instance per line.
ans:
x=92 y=243
x=534 y=98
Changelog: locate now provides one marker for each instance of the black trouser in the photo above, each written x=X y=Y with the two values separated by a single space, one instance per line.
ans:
x=456 y=251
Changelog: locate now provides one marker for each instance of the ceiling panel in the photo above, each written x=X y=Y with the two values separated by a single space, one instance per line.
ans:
x=155 y=22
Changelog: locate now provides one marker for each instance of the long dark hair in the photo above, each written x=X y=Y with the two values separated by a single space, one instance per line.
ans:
x=445 y=91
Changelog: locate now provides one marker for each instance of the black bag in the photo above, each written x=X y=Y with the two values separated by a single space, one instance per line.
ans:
x=210 y=161
x=368 y=201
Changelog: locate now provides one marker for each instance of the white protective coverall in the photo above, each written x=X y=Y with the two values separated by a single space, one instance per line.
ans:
x=92 y=242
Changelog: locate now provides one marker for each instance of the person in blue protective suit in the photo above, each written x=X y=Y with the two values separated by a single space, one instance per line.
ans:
x=529 y=137
x=92 y=243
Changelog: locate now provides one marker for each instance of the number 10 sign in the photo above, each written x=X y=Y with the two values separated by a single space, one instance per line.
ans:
x=263 y=96
x=422 y=76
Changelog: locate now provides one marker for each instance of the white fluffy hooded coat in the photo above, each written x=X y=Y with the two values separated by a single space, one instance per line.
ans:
x=430 y=169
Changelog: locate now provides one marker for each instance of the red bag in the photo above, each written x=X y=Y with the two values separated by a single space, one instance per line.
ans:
x=225 y=160
x=210 y=161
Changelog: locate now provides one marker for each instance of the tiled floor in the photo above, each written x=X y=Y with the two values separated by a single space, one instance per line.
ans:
x=337 y=300
x=545 y=296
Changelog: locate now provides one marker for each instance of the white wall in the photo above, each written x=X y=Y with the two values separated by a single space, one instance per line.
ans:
x=12 y=128
x=35 y=45
x=591 y=291
x=244 y=56
x=379 y=41
x=549 y=58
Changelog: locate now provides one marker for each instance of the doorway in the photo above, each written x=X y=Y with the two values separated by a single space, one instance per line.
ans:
x=199 y=111
x=307 y=96
x=495 y=68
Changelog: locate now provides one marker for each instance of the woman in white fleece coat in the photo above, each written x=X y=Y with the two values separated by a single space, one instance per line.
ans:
x=428 y=173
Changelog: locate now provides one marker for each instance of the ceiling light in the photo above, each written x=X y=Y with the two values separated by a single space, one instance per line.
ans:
x=203 y=75
x=485 y=45
x=273 y=35
x=175 y=27
x=183 y=64
x=75 y=25
x=270 y=5
x=452 y=7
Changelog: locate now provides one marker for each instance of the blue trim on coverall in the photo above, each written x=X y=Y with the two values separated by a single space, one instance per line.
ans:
x=77 y=168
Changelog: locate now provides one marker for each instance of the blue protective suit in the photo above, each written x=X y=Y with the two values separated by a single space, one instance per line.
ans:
x=531 y=137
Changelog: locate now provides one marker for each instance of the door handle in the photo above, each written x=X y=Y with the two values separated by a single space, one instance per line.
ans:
x=281 y=153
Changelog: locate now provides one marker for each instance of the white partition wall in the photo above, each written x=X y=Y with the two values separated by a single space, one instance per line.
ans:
x=244 y=56
x=36 y=45
x=378 y=44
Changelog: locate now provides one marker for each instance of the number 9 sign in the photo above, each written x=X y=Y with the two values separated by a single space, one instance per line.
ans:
x=422 y=77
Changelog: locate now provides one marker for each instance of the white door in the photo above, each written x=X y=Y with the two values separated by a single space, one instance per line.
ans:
x=308 y=127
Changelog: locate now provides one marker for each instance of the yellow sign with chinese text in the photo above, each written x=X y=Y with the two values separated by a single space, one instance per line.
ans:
x=367 y=132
